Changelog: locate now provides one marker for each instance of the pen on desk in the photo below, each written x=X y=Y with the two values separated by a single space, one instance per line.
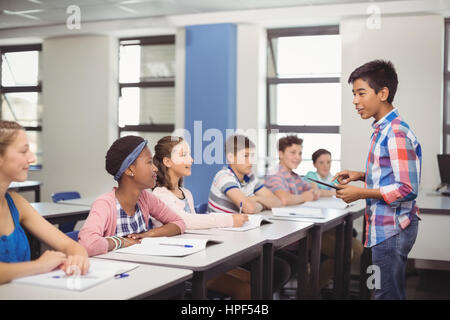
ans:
x=177 y=245
x=121 y=275
x=240 y=208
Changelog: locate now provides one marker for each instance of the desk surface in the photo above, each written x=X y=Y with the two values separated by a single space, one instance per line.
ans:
x=52 y=210
x=212 y=256
x=433 y=202
x=142 y=281
x=85 y=201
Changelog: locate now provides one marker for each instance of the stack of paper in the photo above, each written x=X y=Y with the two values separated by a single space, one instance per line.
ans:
x=167 y=246
x=99 y=271
x=254 y=221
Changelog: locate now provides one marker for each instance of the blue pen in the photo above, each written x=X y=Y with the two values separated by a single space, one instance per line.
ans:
x=178 y=245
x=240 y=208
x=122 y=275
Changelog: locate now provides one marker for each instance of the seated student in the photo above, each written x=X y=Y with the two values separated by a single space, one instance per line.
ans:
x=283 y=181
x=235 y=188
x=16 y=214
x=120 y=218
x=292 y=190
x=322 y=162
x=173 y=159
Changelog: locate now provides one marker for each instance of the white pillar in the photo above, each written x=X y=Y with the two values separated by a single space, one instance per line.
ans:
x=80 y=97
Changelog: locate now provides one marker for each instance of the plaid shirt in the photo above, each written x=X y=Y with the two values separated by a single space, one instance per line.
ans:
x=283 y=179
x=393 y=166
x=130 y=224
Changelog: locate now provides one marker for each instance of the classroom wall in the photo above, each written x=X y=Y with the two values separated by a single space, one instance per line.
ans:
x=80 y=96
x=415 y=46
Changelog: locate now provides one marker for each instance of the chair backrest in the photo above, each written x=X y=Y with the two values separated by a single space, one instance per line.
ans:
x=201 y=208
x=69 y=195
x=73 y=235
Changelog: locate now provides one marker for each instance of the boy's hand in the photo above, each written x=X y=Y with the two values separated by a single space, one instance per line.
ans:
x=346 y=176
x=349 y=193
x=308 y=195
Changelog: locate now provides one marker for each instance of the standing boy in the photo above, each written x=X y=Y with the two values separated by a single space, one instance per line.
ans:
x=391 y=178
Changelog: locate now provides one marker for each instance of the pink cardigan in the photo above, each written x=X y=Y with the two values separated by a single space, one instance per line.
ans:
x=102 y=219
x=192 y=220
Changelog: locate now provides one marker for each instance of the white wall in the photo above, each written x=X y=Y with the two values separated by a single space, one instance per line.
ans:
x=415 y=46
x=251 y=87
x=79 y=124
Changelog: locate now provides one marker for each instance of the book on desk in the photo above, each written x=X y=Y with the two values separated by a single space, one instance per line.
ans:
x=99 y=272
x=168 y=246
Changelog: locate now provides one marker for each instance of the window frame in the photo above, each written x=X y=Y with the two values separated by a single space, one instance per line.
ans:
x=445 y=126
x=15 y=89
x=166 y=83
x=295 y=32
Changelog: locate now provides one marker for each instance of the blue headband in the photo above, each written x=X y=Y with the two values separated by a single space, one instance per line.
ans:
x=130 y=159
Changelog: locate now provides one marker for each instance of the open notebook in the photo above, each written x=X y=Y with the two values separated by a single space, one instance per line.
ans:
x=254 y=221
x=168 y=246
x=297 y=212
x=99 y=271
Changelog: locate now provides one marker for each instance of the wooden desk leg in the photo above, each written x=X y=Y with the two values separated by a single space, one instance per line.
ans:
x=256 y=277
x=268 y=256
x=302 y=276
x=316 y=245
x=199 y=289
x=338 y=261
x=348 y=235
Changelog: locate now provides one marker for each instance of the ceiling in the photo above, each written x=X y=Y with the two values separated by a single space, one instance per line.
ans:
x=31 y=13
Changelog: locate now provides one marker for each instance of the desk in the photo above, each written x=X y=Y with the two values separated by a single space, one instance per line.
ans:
x=145 y=281
x=273 y=236
x=86 y=201
x=431 y=247
x=334 y=218
x=209 y=263
x=55 y=213
x=28 y=186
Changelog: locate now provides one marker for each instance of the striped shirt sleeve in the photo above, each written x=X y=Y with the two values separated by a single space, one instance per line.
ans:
x=275 y=183
x=226 y=182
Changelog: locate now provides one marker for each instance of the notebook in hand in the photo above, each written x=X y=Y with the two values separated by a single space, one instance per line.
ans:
x=297 y=212
x=168 y=246
x=254 y=221
x=99 y=271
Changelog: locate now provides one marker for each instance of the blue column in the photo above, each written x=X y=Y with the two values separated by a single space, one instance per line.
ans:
x=210 y=97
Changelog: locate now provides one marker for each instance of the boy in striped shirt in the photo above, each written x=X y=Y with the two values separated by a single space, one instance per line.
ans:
x=391 y=178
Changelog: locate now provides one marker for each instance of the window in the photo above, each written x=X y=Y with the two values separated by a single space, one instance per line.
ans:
x=20 y=92
x=304 y=91
x=147 y=87
x=446 y=121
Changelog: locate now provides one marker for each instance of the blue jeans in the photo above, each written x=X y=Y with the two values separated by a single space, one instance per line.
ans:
x=391 y=256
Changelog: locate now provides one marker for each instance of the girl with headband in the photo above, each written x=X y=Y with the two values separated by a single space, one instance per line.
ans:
x=16 y=214
x=173 y=160
x=122 y=217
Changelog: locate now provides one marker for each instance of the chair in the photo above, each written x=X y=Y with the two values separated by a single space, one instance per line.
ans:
x=59 y=196
x=73 y=235
x=201 y=208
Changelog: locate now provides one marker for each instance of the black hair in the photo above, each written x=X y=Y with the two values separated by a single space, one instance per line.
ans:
x=118 y=151
x=318 y=153
x=378 y=74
